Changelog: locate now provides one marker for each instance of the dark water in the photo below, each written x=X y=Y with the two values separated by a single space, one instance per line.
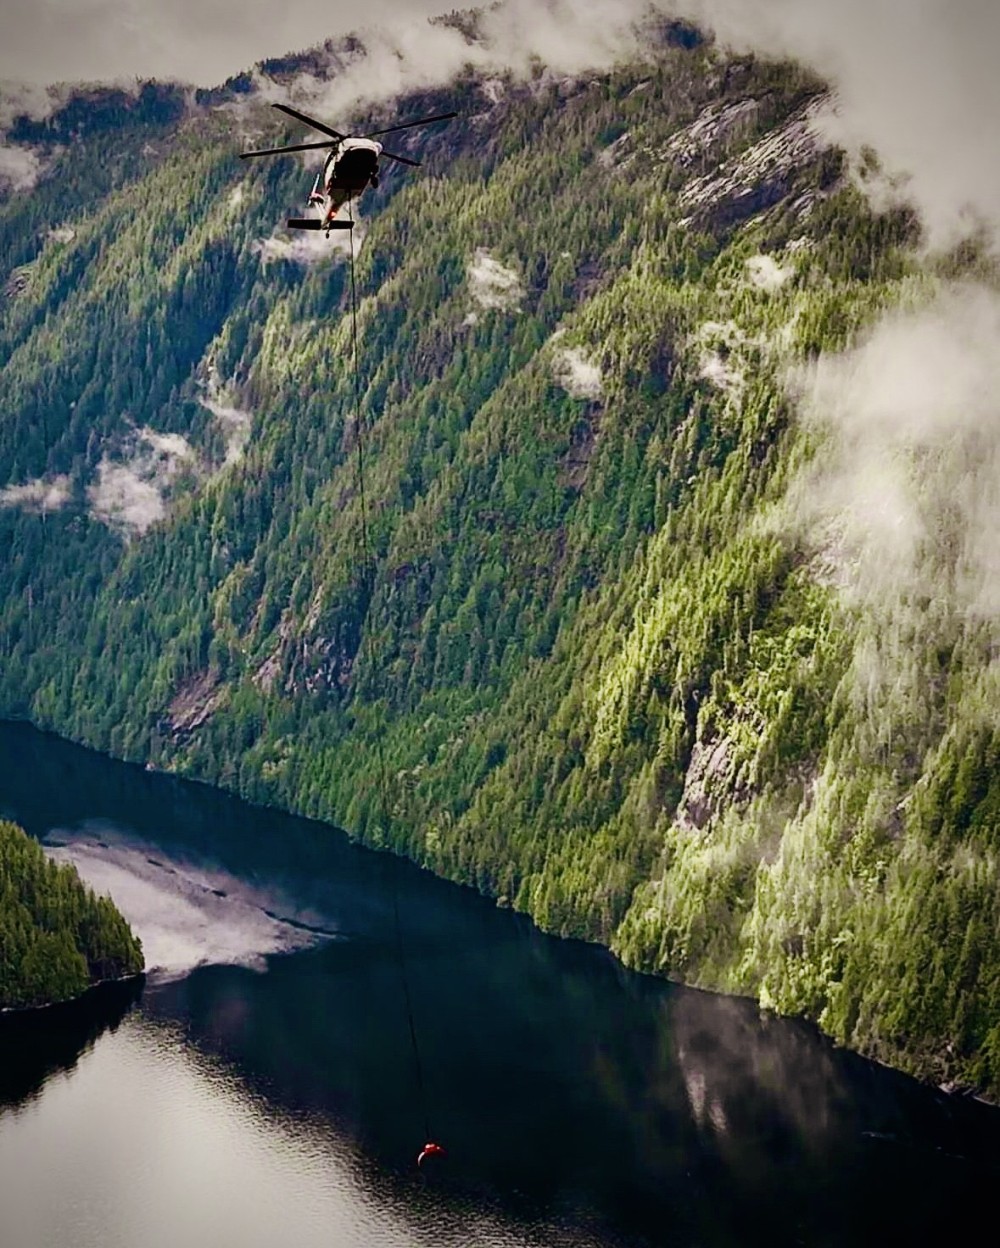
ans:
x=271 y=1097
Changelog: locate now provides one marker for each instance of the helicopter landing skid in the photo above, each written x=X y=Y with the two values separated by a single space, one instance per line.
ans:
x=311 y=223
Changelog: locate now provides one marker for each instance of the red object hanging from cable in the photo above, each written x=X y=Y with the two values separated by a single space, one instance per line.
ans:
x=430 y=1149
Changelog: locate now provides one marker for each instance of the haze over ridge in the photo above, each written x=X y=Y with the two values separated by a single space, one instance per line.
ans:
x=921 y=91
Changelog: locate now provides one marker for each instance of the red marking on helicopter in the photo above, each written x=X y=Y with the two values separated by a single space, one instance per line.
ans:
x=350 y=168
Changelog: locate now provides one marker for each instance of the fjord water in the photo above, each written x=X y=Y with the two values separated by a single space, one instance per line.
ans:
x=261 y=1088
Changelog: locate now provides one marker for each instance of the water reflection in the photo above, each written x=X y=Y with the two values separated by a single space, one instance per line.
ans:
x=36 y=1045
x=188 y=912
x=580 y=1104
x=573 y=1095
x=154 y=1142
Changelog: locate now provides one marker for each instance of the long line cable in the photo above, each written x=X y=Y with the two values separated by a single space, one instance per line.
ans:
x=369 y=575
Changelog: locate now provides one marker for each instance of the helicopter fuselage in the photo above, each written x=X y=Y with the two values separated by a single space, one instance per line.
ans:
x=350 y=168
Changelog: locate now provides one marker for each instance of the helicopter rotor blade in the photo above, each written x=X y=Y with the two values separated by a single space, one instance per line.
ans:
x=403 y=160
x=407 y=125
x=309 y=121
x=280 y=151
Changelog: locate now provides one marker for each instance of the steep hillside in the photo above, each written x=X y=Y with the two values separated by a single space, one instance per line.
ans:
x=611 y=663
x=56 y=938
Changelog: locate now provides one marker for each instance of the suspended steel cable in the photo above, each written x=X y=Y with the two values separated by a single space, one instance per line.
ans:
x=369 y=588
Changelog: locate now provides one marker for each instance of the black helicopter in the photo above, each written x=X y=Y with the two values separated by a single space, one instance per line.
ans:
x=348 y=170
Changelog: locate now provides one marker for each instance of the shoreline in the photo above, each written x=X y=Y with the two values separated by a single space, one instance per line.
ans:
x=88 y=997
x=956 y=1091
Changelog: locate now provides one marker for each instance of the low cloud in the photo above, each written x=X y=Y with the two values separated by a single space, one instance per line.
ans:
x=307 y=247
x=130 y=494
x=41 y=496
x=405 y=52
x=920 y=88
x=493 y=285
x=917 y=83
x=167 y=446
x=765 y=273
x=89 y=40
x=720 y=346
x=233 y=422
x=27 y=99
x=125 y=498
x=902 y=503
x=20 y=168
x=712 y=368
x=578 y=374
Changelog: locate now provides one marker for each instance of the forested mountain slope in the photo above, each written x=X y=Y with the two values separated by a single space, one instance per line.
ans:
x=616 y=678
x=56 y=938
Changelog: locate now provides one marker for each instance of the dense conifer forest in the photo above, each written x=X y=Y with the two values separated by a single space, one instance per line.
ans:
x=617 y=681
x=57 y=938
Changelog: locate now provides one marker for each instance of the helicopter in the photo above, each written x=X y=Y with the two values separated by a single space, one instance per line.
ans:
x=348 y=170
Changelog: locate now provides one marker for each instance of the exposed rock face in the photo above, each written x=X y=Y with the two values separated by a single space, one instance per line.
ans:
x=575 y=463
x=708 y=782
x=712 y=130
x=18 y=282
x=316 y=663
x=702 y=144
x=194 y=704
x=323 y=666
x=269 y=671
x=618 y=152
x=755 y=180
